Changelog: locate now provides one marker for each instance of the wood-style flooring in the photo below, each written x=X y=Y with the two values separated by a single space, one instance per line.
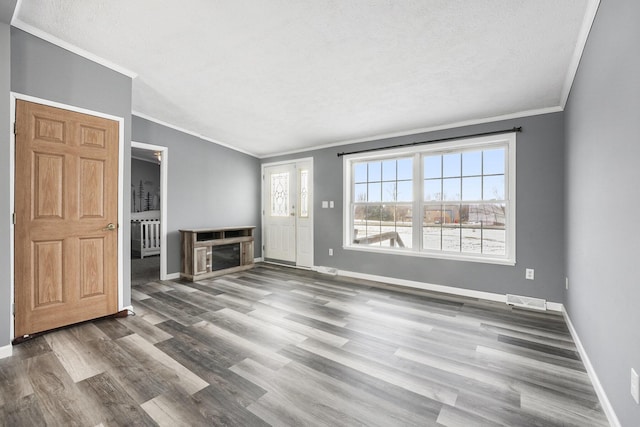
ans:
x=284 y=347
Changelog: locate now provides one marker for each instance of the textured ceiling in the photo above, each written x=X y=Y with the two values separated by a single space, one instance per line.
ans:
x=277 y=76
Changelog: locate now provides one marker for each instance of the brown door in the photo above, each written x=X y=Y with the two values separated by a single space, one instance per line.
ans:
x=66 y=197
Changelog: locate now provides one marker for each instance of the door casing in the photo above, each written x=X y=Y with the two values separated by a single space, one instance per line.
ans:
x=18 y=96
x=164 y=169
x=297 y=162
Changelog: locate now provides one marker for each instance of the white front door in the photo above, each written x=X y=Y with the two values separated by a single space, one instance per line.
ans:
x=280 y=213
x=288 y=213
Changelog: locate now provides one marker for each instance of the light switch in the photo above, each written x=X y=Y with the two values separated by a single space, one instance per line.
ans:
x=331 y=205
x=325 y=204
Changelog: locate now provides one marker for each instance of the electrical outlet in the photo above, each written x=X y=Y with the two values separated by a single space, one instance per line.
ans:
x=635 y=386
x=566 y=283
x=528 y=274
x=330 y=252
x=331 y=204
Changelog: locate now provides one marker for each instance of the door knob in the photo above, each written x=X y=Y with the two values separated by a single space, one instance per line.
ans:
x=110 y=227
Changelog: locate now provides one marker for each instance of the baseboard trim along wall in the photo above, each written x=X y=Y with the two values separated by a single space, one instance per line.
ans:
x=6 y=351
x=602 y=396
x=489 y=296
x=552 y=306
x=173 y=276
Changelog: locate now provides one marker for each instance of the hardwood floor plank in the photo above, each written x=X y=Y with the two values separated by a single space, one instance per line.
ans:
x=116 y=407
x=135 y=376
x=30 y=348
x=281 y=346
x=428 y=409
x=147 y=314
x=22 y=411
x=60 y=401
x=14 y=382
x=436 y=392
x=265 y=356
x=78 y=360
x=112 y=328
x=223 y=379
x=168 y=311
x=266 y=334
x=145 y=329
x=299 y=328
x=173 y=372
x=456 y=417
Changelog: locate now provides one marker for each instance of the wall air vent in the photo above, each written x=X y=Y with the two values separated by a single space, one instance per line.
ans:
x=527 y=302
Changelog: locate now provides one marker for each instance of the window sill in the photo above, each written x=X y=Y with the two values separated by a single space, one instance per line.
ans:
x=444 y=256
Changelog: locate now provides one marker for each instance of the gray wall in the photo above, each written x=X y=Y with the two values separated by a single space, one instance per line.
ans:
x=43 y=70
x=149 y=174
x=6 y=245
x=208 y=185
x=602 y=177
x=539 y=210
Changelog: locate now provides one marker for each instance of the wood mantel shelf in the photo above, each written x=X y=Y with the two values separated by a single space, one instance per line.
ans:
x=211 y=252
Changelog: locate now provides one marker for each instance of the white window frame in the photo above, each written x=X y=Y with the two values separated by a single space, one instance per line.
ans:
x=507 y=140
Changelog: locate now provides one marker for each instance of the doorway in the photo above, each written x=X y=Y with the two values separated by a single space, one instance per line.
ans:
x=66 y=195
x=148 y=212
x=287 y=219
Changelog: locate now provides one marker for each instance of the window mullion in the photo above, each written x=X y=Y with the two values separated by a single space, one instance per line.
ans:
x=418 y=196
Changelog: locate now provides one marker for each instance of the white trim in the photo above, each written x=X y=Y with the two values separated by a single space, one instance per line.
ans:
x=583 y=35
x=18 y=23
x=172 y=276
x=507 y=140
x=488 y=296
x=12 y=210
x=470 y=293
x=14 y=96
x=6 y=351
x=188 y=132
x=257 y=260
x=595 y=381
x=528 y=113
x=164 y=170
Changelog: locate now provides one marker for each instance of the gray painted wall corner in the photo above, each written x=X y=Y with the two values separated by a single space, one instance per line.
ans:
x=602 y=176
x=540 y=214
x=208 y=185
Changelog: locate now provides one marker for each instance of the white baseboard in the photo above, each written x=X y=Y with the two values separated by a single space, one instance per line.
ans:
x=488 y=296
x=173 y=276
x=6 y=351
x=602 y=396
x=256 y=260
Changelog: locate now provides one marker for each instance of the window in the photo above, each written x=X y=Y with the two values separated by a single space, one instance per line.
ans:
x=449 y=200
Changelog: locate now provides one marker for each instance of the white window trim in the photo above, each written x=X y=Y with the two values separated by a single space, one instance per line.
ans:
x=508 y=139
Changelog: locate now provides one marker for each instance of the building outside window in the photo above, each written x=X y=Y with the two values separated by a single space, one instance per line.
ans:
x=453 y=200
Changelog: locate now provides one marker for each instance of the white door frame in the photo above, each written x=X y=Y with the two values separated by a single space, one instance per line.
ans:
x=308 y=160
x=14 y=96
x=164 y=170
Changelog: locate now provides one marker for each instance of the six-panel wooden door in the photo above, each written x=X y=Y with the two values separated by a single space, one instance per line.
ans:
x=66 y=199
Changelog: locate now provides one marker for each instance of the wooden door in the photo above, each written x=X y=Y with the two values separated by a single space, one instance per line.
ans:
x=66 y=197
x=280 y=213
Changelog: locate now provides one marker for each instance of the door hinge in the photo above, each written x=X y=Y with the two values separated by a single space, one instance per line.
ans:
x=13 y=218
x=13 y=309
x=15 y=128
